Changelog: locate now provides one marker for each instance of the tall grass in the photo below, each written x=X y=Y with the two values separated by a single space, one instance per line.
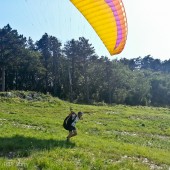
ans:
x=117 y=137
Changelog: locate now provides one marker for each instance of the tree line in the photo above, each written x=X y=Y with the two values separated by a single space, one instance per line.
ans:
x=73 y=71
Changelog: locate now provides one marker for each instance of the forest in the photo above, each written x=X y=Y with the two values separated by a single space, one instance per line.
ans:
x=73 y=71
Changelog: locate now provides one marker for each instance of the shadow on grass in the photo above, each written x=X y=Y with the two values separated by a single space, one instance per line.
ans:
x=20 y=146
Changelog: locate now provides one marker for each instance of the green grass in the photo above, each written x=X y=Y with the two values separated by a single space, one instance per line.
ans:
x=117 y=137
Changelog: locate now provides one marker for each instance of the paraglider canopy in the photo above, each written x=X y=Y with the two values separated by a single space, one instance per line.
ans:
x=108 y=19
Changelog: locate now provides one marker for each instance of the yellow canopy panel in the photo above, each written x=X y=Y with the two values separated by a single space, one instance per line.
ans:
x=108 y=19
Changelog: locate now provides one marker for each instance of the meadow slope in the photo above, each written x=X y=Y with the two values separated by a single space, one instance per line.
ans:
x=109 y=137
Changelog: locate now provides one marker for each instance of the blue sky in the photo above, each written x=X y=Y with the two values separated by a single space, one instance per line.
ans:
x=148 y=24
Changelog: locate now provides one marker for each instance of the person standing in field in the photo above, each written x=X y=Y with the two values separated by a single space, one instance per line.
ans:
x=70 y=123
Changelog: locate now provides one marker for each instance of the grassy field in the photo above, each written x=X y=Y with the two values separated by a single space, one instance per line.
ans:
x=117 y=137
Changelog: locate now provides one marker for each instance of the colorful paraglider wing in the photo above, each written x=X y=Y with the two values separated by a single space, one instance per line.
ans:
x=108 y=19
